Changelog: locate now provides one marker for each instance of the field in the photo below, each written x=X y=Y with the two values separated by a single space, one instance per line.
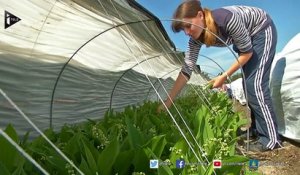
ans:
x=127 y=141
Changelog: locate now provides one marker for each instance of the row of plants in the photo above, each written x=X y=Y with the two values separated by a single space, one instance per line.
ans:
x=124 y=142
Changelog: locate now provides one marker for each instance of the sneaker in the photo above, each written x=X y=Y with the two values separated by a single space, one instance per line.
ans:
x=258 y=147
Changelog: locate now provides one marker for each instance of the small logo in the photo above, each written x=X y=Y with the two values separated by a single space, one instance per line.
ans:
x=217 y=163
x=10 y=19
x=153 y=163
x=180 y=164
x=253 y=164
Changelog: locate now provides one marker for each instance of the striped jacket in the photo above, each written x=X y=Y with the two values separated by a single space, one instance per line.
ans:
x=236 y=24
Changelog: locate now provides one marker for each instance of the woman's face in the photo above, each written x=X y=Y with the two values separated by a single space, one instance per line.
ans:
x=193 y=27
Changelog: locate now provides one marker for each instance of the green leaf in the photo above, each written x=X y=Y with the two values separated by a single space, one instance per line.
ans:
x=157 y=145
x=84 y=167
x=53 y=160
x=10 y=157
x=23 y=143
x=223 y=120
x=209 y=169
x=135 y=137
x=140 y=160
x=66 y=134
x=19 y=170
x=72 y=147
x=200 y=124
x=50 y=134
x=123 y=162
x=90 y=159
x=233 y=164
x=180 y=145
x=164 y=170
x=207 y=130
x=155 y=120
x=108 y=157
x=4 y=170
x=11 y=132
x=231 y=146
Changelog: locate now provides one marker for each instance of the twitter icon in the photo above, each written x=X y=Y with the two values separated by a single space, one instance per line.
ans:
x=153 y=163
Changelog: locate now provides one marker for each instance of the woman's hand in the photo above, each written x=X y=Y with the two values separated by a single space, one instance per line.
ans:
x=218 y=81
x=242 y=60
x=162 y=108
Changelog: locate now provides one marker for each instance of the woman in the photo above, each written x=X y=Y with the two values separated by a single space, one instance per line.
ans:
x=254 y=37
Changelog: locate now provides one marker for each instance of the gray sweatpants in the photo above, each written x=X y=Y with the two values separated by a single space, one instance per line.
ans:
x=257 y=73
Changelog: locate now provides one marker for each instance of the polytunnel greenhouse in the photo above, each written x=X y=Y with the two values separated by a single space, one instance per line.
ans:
x=81 y=82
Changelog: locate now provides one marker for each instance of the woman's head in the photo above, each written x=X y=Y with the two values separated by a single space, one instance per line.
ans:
x=191 y=18
x=186 y=18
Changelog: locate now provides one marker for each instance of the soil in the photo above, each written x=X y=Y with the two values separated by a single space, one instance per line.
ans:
x=281 y=161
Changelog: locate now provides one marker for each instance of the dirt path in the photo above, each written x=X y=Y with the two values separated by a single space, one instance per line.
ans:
x=282 y=161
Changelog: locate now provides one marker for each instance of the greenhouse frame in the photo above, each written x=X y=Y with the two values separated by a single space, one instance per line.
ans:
x=81 y=81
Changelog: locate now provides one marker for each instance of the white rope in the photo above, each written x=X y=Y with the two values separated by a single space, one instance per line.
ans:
x=165 y=90
x=27 y=156
x=153 y=85
x=40 y=132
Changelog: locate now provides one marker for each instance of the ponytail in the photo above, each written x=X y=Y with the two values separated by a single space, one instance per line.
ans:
x=211 y=30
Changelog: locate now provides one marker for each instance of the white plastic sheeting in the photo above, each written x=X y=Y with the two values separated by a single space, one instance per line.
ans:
x=285 y=89
x=59 y=28
x=237 y=90
x=68 y=60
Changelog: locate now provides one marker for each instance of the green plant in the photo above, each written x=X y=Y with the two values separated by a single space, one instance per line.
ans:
x=124 y=142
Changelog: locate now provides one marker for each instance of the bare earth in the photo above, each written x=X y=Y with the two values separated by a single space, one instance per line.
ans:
x=282 y=161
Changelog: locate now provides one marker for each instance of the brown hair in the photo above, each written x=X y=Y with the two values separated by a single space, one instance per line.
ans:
x=190 y=9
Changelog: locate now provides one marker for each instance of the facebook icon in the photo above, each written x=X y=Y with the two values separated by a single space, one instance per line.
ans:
x=180 y=164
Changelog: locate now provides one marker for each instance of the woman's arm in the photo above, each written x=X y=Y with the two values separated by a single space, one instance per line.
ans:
x=191 y=56
x=242 y=60
x=178 y=85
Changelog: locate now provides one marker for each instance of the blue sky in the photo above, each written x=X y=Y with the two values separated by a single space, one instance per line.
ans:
x=285 y=14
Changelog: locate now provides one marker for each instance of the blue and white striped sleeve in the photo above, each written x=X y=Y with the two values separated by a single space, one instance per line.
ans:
x=239 y=33
x=191 y=56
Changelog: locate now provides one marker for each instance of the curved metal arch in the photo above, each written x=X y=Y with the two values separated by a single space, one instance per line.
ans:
x=158 y=81
x=161 y=77
x=209 y=66
x=190 y=146
x=65 y=65
x=116 y=26
x=212 y=61
x=180 y=67
x=111 y=95
x=212 y=75
x=229 y=79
